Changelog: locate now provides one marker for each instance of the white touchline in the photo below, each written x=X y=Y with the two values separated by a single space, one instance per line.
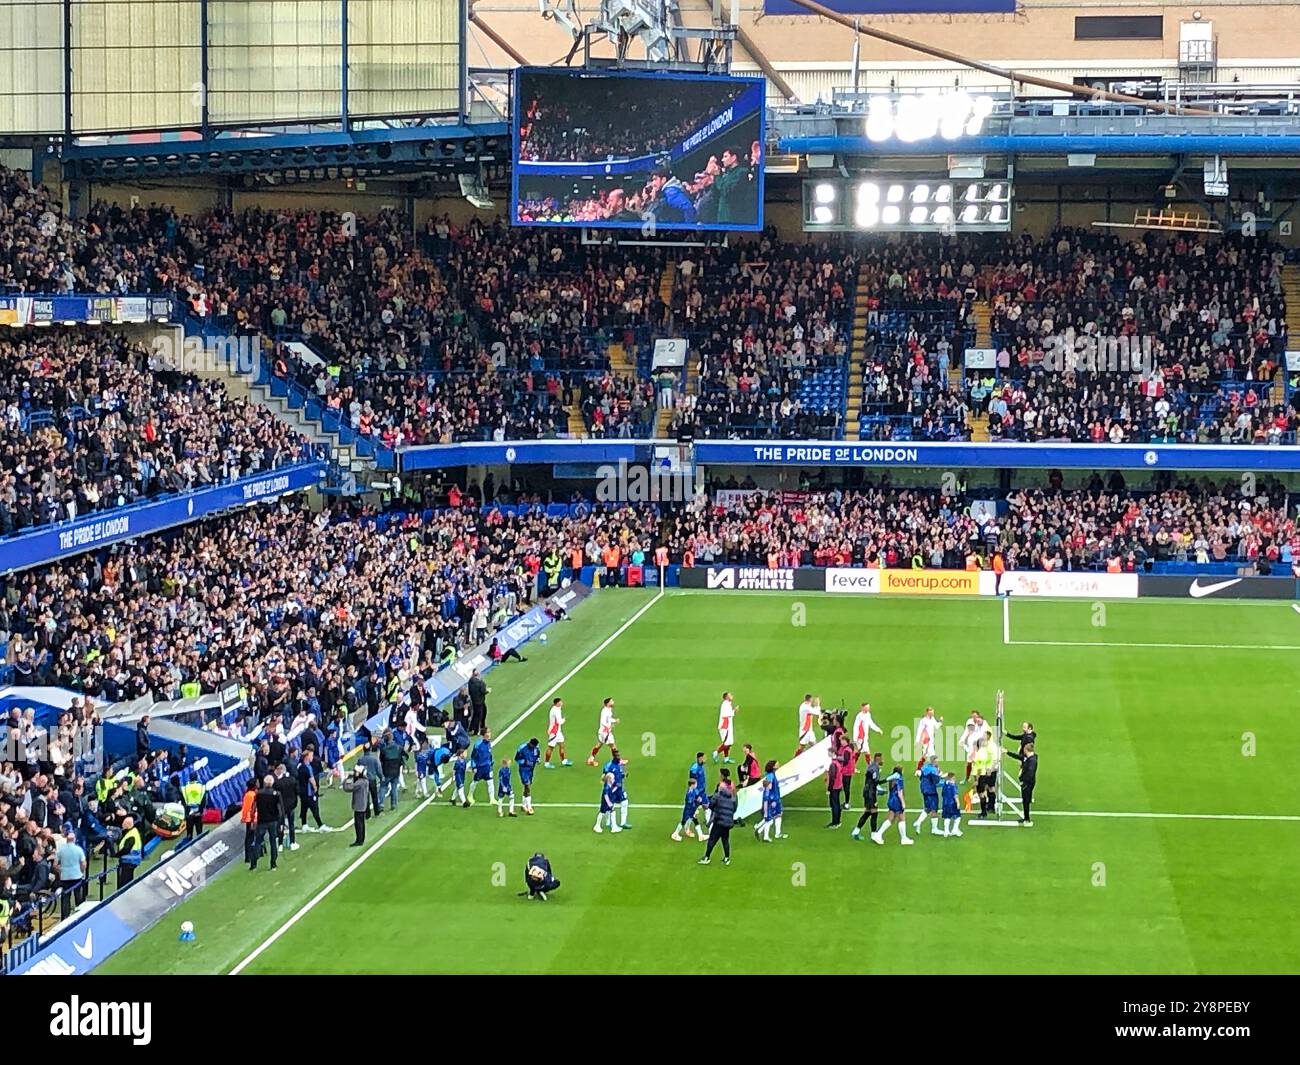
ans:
x=1006 y=619
x=1296 y=607
x=361 y=858
x=1138 y=814
x=1173 y=646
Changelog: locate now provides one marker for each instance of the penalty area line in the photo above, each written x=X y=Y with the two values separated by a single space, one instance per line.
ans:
x=1159 y=646
x=366 y=854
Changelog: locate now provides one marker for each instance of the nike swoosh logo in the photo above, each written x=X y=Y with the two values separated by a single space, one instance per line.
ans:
x=1196 y=591
x=85 y=949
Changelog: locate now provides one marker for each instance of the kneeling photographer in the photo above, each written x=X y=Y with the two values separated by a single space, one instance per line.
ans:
x=538 y=877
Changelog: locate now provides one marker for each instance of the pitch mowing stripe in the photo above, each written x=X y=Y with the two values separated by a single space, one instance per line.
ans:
x=1037 y=813
x=361 y=858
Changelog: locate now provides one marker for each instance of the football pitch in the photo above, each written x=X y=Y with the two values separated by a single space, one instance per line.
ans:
x=1166 y=835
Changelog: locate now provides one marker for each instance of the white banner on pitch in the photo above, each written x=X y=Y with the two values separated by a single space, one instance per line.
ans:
x=800 y=770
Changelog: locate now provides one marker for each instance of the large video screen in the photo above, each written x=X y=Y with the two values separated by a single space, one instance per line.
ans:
x=637 y=150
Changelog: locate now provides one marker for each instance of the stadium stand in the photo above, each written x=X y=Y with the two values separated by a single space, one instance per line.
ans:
x=770 y=322
x=89 y=425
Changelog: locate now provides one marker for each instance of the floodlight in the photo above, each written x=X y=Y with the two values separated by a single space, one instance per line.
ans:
x=880 y=119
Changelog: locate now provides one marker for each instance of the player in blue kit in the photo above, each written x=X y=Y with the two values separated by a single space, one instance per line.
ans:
x=897 y=809
x=692 y=806
x=951 y=811
x=427 y=760
x=526 y=758
x=605 y=812
x=481 y=757
x=617 y=765
x=931 y=778
x=772 y=809
x=505 y=790
x=458 y=770
x=700 y=776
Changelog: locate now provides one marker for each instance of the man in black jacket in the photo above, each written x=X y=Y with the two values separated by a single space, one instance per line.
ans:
x=309 y=789
x=269 y=813
x=478 y=693
x=1025 y=736
x=1028 y=777
x=287 y=785
x=142 y=738
x=460 y=708
x=723 y=805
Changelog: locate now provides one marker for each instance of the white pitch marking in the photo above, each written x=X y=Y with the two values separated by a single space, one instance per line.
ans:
x=1134 y=814
x=1173 y=646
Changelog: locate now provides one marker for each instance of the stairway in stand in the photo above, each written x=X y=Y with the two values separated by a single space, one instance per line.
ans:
x=1291 y=290
x=666 y=282
x=979 y=423
x=857 y=357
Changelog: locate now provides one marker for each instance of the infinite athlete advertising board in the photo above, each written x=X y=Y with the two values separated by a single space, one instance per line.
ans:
x=637 y=150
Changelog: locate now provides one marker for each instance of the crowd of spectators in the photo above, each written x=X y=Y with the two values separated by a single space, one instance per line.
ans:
x=319 y=608
x=525 y=320
x=571 y=119
x=526 y=315
x=724 y=191
x=88 y=425
x=1099 y=526
x=767 y=319
x=1203 y=327
x=1098 y=338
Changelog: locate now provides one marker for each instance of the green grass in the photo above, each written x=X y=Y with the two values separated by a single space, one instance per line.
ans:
x=1123 y=729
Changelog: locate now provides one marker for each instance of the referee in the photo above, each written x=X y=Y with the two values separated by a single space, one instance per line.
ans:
x=1028 y=775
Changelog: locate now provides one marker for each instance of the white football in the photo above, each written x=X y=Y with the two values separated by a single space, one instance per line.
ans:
x=187 y=927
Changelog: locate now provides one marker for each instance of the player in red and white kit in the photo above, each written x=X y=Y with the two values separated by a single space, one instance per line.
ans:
x=555 y=735
x=809 y=715
x=605 y=730
x=927 y=736
x=863 y=727
x=726 y=728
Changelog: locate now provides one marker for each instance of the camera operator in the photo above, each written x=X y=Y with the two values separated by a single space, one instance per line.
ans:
x=831 y=720
x=538 y=878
